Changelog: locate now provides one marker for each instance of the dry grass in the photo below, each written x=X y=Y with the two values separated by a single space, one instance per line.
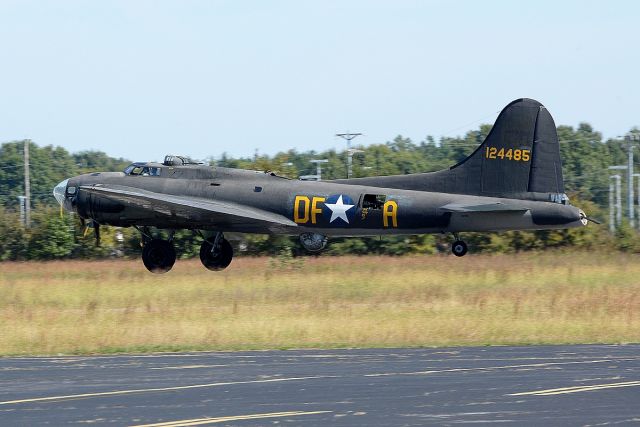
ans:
x=82 y=307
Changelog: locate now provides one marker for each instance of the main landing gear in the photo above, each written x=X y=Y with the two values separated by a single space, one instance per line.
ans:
x=216 y=253
x=459 y=247
x=158 y=255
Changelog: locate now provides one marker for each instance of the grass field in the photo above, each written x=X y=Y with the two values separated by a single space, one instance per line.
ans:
x=111 y=306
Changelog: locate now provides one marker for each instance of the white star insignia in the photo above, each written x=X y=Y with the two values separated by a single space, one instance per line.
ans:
x=339 y=210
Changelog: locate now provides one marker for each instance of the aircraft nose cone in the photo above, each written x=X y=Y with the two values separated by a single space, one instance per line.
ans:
x=59 y=190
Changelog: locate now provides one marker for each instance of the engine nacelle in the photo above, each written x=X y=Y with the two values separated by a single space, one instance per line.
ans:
x=313 y=242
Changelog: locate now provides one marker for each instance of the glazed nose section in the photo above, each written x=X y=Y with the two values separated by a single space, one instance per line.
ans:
x=59 y=191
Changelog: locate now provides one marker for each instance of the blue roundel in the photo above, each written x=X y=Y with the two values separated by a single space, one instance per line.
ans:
x=339 y=210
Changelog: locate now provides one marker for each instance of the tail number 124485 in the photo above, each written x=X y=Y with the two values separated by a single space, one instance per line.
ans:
x=516 y=155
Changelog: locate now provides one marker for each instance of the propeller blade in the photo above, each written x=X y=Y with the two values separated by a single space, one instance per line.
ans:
x=595 y=221
x=61 y=213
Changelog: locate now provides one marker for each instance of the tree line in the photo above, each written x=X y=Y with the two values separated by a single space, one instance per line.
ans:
x=585 y=156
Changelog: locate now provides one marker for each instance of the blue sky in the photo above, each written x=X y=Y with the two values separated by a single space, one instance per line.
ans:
x=140 y=79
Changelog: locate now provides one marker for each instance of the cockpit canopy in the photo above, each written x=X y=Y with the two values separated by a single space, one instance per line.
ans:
x=143 y=169
x=155 y=169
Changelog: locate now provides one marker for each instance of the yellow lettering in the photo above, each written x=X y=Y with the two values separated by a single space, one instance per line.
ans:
x=390 y=210
x=296 y=210
x=315 y=209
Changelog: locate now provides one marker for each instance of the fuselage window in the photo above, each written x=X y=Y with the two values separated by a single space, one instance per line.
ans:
x=373 y=201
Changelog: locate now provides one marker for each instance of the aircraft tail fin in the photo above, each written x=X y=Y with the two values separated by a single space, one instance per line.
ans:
x=520 y=158
x=521 y=154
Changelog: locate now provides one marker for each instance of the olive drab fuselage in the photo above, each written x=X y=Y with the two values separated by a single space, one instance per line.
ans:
x=371 y=210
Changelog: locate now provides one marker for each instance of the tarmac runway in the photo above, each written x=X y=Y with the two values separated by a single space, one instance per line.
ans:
x=536 y=385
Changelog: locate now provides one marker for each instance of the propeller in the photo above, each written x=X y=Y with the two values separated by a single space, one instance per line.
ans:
x=584 y=218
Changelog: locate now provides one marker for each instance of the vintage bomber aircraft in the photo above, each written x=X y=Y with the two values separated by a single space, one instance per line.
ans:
x=512 y=181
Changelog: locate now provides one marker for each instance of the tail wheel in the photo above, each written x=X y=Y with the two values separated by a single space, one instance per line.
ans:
x=216 y=259
x=158 y=256
x=459 y=248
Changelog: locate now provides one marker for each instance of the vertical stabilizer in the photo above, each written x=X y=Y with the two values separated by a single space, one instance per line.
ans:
x=520 y=158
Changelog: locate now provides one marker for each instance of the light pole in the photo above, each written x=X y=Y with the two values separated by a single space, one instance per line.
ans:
x=348 y=137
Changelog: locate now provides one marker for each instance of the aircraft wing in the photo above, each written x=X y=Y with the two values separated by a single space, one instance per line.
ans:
x=487 y=207
x=219 y=214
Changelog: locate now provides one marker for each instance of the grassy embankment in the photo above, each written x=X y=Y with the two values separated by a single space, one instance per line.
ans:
x=81 y=307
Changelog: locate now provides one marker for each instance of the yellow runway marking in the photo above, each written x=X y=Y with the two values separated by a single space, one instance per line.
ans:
x=203 y=421
x=577 y=389
x=150 y=390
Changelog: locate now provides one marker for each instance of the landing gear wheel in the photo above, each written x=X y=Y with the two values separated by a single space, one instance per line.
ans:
x=216 y=260
x=158 y=256
x=459 y=248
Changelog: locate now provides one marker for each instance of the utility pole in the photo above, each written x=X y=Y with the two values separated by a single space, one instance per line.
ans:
x=615 y=204
x=612 y=214
x=615 y=218
x=21 y=202
x=630 y=137
x=637 y=175
x=348 y=137
x=27 y=186
x=618 y=199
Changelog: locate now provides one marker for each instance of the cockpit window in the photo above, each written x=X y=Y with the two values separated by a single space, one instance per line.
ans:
x=142 y=170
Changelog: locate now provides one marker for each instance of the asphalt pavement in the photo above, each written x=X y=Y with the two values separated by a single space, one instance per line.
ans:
x=534 y=385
